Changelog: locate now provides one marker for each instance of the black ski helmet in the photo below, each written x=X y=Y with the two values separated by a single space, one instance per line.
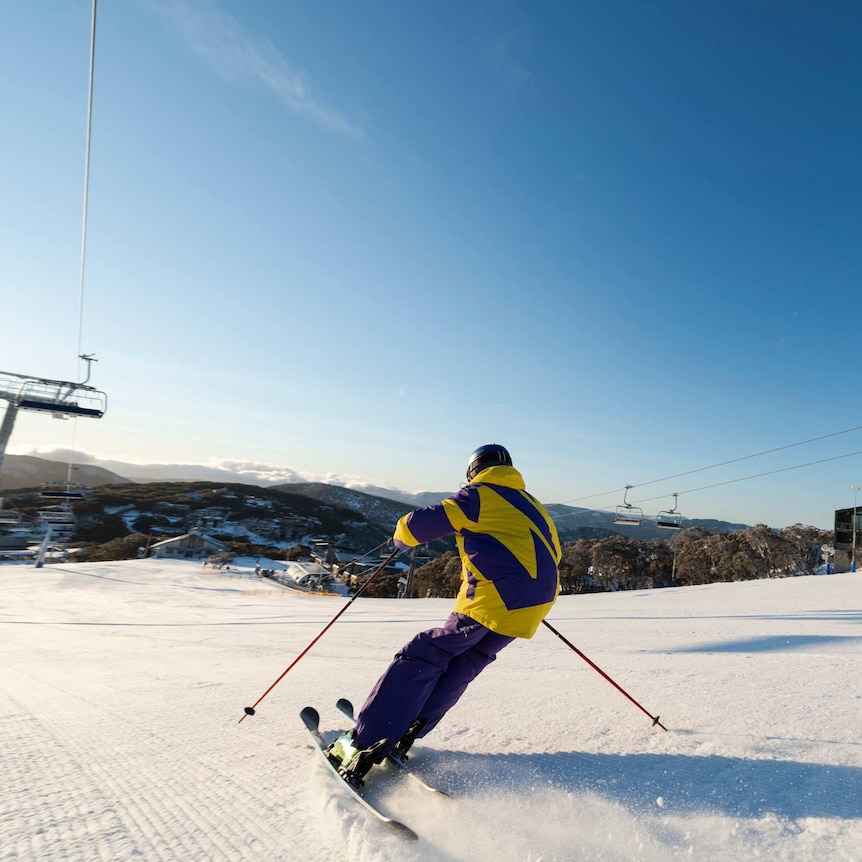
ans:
x=491 y=455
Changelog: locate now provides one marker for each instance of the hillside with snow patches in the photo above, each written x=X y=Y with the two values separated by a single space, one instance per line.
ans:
x=122 y=686
x=377 y=503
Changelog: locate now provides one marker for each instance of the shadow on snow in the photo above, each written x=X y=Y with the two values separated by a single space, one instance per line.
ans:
x=731 y=786
x=771 y=643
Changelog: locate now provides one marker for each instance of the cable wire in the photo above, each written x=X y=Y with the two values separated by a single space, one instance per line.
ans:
x=85 y=210
x=725 y=463
x=86 y=182
x=758 y=475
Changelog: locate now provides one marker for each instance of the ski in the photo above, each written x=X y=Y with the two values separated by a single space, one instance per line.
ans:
x=346 y=708
x=311 y=719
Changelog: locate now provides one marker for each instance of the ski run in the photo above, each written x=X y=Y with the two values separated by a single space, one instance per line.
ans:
x=122 y=686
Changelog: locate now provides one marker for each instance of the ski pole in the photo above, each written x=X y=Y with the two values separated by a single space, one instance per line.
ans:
x=595 y=667
x=249 y=710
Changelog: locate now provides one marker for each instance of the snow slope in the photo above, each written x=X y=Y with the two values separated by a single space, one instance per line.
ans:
x=122 y=684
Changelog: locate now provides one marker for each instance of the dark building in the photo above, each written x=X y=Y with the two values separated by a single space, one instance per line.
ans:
x=844 y=528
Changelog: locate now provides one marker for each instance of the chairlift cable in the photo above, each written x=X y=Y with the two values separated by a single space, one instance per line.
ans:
x=734 y=481
x=749 y=457
x=84 y=214
x=724 y=464
x=759 y=475
x=86 y=182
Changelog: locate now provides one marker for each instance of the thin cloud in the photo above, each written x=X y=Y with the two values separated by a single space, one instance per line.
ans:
x=212 y=469
x=234 y=54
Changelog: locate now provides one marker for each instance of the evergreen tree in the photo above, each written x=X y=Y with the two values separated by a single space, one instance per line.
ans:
x=575 y=566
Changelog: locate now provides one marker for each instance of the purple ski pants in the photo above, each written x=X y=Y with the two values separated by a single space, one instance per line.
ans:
x=426 y=678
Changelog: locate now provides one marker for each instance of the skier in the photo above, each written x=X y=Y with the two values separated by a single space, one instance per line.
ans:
x=510 y=552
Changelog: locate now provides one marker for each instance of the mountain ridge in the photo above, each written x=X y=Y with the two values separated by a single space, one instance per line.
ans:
x=379 y=505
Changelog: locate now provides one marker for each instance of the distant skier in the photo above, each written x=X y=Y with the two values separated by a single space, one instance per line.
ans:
x=510 y=554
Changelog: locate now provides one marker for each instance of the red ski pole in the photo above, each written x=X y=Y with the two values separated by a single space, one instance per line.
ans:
x=249 y=710
x=595 y=667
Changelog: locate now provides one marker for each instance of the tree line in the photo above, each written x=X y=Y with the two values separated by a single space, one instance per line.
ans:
x=693 y=556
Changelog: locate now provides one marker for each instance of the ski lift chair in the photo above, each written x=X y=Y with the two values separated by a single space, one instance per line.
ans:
x=62 y=491
x=627 y=513
x=57 y=515
x=670 y=519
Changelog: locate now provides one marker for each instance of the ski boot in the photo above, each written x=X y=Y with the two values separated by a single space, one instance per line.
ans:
x=399 y=753
x=353 y=763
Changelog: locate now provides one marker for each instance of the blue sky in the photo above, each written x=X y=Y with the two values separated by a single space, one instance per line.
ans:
x=360 y=239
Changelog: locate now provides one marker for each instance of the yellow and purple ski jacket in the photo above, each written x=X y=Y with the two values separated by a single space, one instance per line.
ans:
x=509 y=548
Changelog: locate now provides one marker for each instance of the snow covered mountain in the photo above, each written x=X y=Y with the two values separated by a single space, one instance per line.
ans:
x=27 y=471
x=380 y=505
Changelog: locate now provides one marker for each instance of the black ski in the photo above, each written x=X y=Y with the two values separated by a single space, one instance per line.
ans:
x=346 y=707
x=311 y=719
